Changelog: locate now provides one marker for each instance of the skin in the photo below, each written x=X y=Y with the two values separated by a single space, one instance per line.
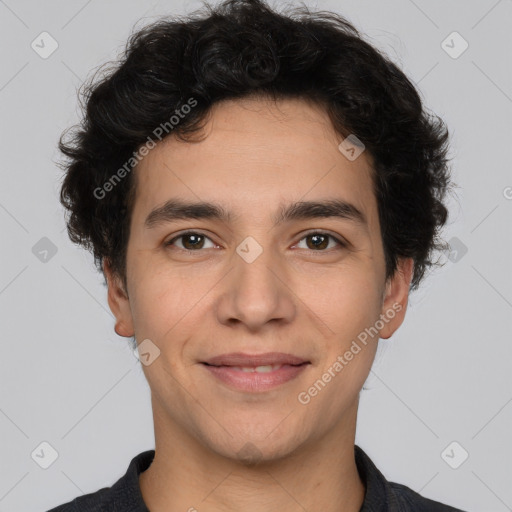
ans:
x=293 y=298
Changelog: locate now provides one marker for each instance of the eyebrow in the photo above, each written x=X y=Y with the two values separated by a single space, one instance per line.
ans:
x=178 y=209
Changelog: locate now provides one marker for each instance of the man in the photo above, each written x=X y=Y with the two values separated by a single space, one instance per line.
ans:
x=262 y=191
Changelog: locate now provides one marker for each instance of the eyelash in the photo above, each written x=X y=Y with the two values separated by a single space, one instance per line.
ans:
x=170 y=242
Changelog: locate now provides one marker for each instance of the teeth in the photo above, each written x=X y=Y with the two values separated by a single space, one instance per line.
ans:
x=259 y=369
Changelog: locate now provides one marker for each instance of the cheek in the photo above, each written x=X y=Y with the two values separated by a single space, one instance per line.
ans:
x=160 y=299
x=347 y=298
x=349 y=305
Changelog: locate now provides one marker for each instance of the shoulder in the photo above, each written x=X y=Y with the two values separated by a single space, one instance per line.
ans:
x=407 y=500
x=124 y=496
x=384 y=496
x=97 y=501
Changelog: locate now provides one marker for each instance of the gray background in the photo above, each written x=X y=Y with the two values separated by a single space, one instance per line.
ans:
x=69 y=380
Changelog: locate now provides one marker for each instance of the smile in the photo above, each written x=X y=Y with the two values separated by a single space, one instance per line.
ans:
x=255 y=379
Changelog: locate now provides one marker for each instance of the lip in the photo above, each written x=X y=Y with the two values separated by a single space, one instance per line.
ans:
x=253 y=360
x=255 y=382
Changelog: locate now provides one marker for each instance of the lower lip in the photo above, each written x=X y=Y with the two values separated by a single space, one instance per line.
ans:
x=255 y=381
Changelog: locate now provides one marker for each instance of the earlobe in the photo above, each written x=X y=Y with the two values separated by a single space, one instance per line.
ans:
x=118 y=302
x=395 y=300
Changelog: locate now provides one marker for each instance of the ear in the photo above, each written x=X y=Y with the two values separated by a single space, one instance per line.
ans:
x=395 y=298
x=119 y=302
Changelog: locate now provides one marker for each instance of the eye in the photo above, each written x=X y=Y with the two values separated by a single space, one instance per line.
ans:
x=192 y=241
x=320 y=241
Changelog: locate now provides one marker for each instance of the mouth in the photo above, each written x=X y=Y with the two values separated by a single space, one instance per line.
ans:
x=242 y=360
x=258 y=369
x=255 y=373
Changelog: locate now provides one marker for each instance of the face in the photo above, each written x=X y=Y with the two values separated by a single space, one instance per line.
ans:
x=263 y=280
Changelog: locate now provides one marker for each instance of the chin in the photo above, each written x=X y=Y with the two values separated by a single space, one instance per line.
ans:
x=253 y=444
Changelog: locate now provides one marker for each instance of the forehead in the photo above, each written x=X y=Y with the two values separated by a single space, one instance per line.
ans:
x=252 y=154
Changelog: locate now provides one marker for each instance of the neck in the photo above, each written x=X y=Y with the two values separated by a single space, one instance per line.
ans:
x=318 y=476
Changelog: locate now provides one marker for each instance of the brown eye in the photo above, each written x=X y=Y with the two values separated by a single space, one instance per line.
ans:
x=191 y=241
x=320 y=241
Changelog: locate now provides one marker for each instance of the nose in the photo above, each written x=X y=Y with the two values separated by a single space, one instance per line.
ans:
x=255 y=293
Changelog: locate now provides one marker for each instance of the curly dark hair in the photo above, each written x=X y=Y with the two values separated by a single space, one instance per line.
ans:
x=243 y=48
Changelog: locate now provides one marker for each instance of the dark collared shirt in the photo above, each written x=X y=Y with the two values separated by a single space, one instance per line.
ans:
x=380 y=495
